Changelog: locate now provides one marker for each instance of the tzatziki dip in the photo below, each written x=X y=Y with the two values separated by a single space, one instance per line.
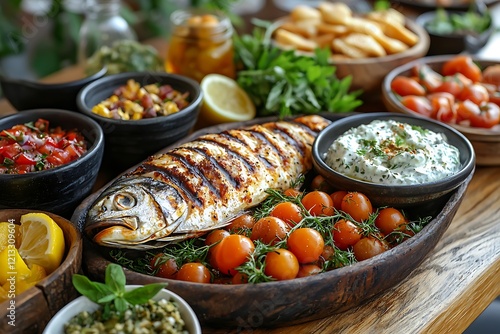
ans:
x=394 y=153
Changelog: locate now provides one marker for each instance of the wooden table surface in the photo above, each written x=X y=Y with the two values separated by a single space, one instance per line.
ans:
x=448 y=291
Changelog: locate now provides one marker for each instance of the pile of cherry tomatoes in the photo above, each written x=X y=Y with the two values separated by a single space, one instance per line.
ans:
x=461 y=93
x=292 y=234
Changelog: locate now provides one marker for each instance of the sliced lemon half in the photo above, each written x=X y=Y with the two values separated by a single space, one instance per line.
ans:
x=42 y=241
x=224 y=101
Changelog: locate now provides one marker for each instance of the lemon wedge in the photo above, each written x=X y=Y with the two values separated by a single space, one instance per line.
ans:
x=42 y=241
x=224 y=101
x=12 y=265
x=6 y=229
x=37 y=274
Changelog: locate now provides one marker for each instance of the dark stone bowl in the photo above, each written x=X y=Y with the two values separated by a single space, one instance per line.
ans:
x=58 y=190
x=26 y=94
x=394 y=195
x=455 y=43
x=130 y=141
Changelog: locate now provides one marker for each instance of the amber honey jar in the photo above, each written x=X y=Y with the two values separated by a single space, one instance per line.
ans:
x=201 y=43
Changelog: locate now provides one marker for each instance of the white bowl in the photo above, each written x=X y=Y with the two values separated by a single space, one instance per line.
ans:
x=82 y=303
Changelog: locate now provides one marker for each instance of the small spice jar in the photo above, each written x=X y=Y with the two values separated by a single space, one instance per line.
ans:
x=201 y=43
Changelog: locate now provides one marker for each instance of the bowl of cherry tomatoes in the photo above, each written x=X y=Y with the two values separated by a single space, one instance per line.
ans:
x=335 y=247
x=460 y=90
x=49 y=159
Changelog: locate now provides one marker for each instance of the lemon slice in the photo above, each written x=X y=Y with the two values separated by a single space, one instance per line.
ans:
x=224 y=101
x=12 y=265
x=42 y=241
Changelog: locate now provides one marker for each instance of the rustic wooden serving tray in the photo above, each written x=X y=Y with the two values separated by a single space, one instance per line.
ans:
x=299 y=300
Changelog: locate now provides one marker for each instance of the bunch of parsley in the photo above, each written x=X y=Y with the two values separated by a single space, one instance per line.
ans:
x=284 y=83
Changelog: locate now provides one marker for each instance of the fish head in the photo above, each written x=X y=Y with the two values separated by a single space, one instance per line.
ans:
x=133 y=211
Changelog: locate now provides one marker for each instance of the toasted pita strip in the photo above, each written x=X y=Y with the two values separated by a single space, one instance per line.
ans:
x=288 y=38
x=336 y=29
x=304 y=12
x=397 y=31
x=365 y=43
x=339 y=45
x=368 y=27
x=335 y=13
x=302 y=28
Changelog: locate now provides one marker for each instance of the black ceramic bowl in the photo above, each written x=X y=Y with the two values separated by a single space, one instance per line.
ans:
x=130 y=141
x=26 y=94
x=394 y=195
x=455 y=43
x=61 y=189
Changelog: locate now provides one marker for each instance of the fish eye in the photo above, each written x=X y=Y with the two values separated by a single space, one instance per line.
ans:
x=124 y=201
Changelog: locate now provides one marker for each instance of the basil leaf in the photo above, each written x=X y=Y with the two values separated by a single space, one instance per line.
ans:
x=121 y=304
x=115 y=278
x=142 y=294
x=92 y=290
x=107 y=299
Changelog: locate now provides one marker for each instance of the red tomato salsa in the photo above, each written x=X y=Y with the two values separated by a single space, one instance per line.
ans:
x=35 y=146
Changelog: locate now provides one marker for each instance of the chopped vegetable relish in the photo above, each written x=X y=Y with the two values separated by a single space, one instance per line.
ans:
x=133 y=102
x=35 y=146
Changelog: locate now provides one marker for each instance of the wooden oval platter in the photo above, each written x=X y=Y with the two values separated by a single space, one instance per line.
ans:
x=250 y=306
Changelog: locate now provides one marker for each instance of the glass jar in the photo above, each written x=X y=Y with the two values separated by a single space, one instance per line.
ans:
x=102 y=26
x=201 y=43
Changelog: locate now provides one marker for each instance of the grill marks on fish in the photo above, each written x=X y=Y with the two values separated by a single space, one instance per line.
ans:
x=213 y=179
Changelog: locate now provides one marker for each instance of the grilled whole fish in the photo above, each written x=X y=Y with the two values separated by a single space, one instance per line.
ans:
x=201 y=185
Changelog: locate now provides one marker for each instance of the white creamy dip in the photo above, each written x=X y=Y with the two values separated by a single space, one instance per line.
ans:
x=392 y=152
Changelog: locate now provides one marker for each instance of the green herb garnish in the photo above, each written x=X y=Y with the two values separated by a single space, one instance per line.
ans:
x=113 y=290
x=459 y=23
x=284 y=83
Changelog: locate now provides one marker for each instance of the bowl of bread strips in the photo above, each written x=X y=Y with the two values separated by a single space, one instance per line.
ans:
x=364 y=45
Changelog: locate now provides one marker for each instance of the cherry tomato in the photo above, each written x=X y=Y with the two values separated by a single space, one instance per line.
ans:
x=319 y=183
x=213 y=239
x=291 y=192
x=194 y=272
x=418 y=104
x=475 y=92
x=486 y=115
x=308 y=269
x=495 y=98
x=233 y=251
x=281 y=264
x=306 y=244
x=345 y=234
x=443 y=107
x=357 y=205
x=368 y=247
x=289 y=212
x=464 y=65
x=337 y=197
x=242 y=222
x=318 y=203
x=405 y=86
x=269 y=230
x=239 y=278
x=450 y=85
x=428 y=78
x=491 y=75
x=328 y=252
x=167 y=269
x=389 y=220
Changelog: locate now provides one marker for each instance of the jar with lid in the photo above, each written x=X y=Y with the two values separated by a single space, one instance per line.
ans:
x=102 y=26
x=201 y=43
